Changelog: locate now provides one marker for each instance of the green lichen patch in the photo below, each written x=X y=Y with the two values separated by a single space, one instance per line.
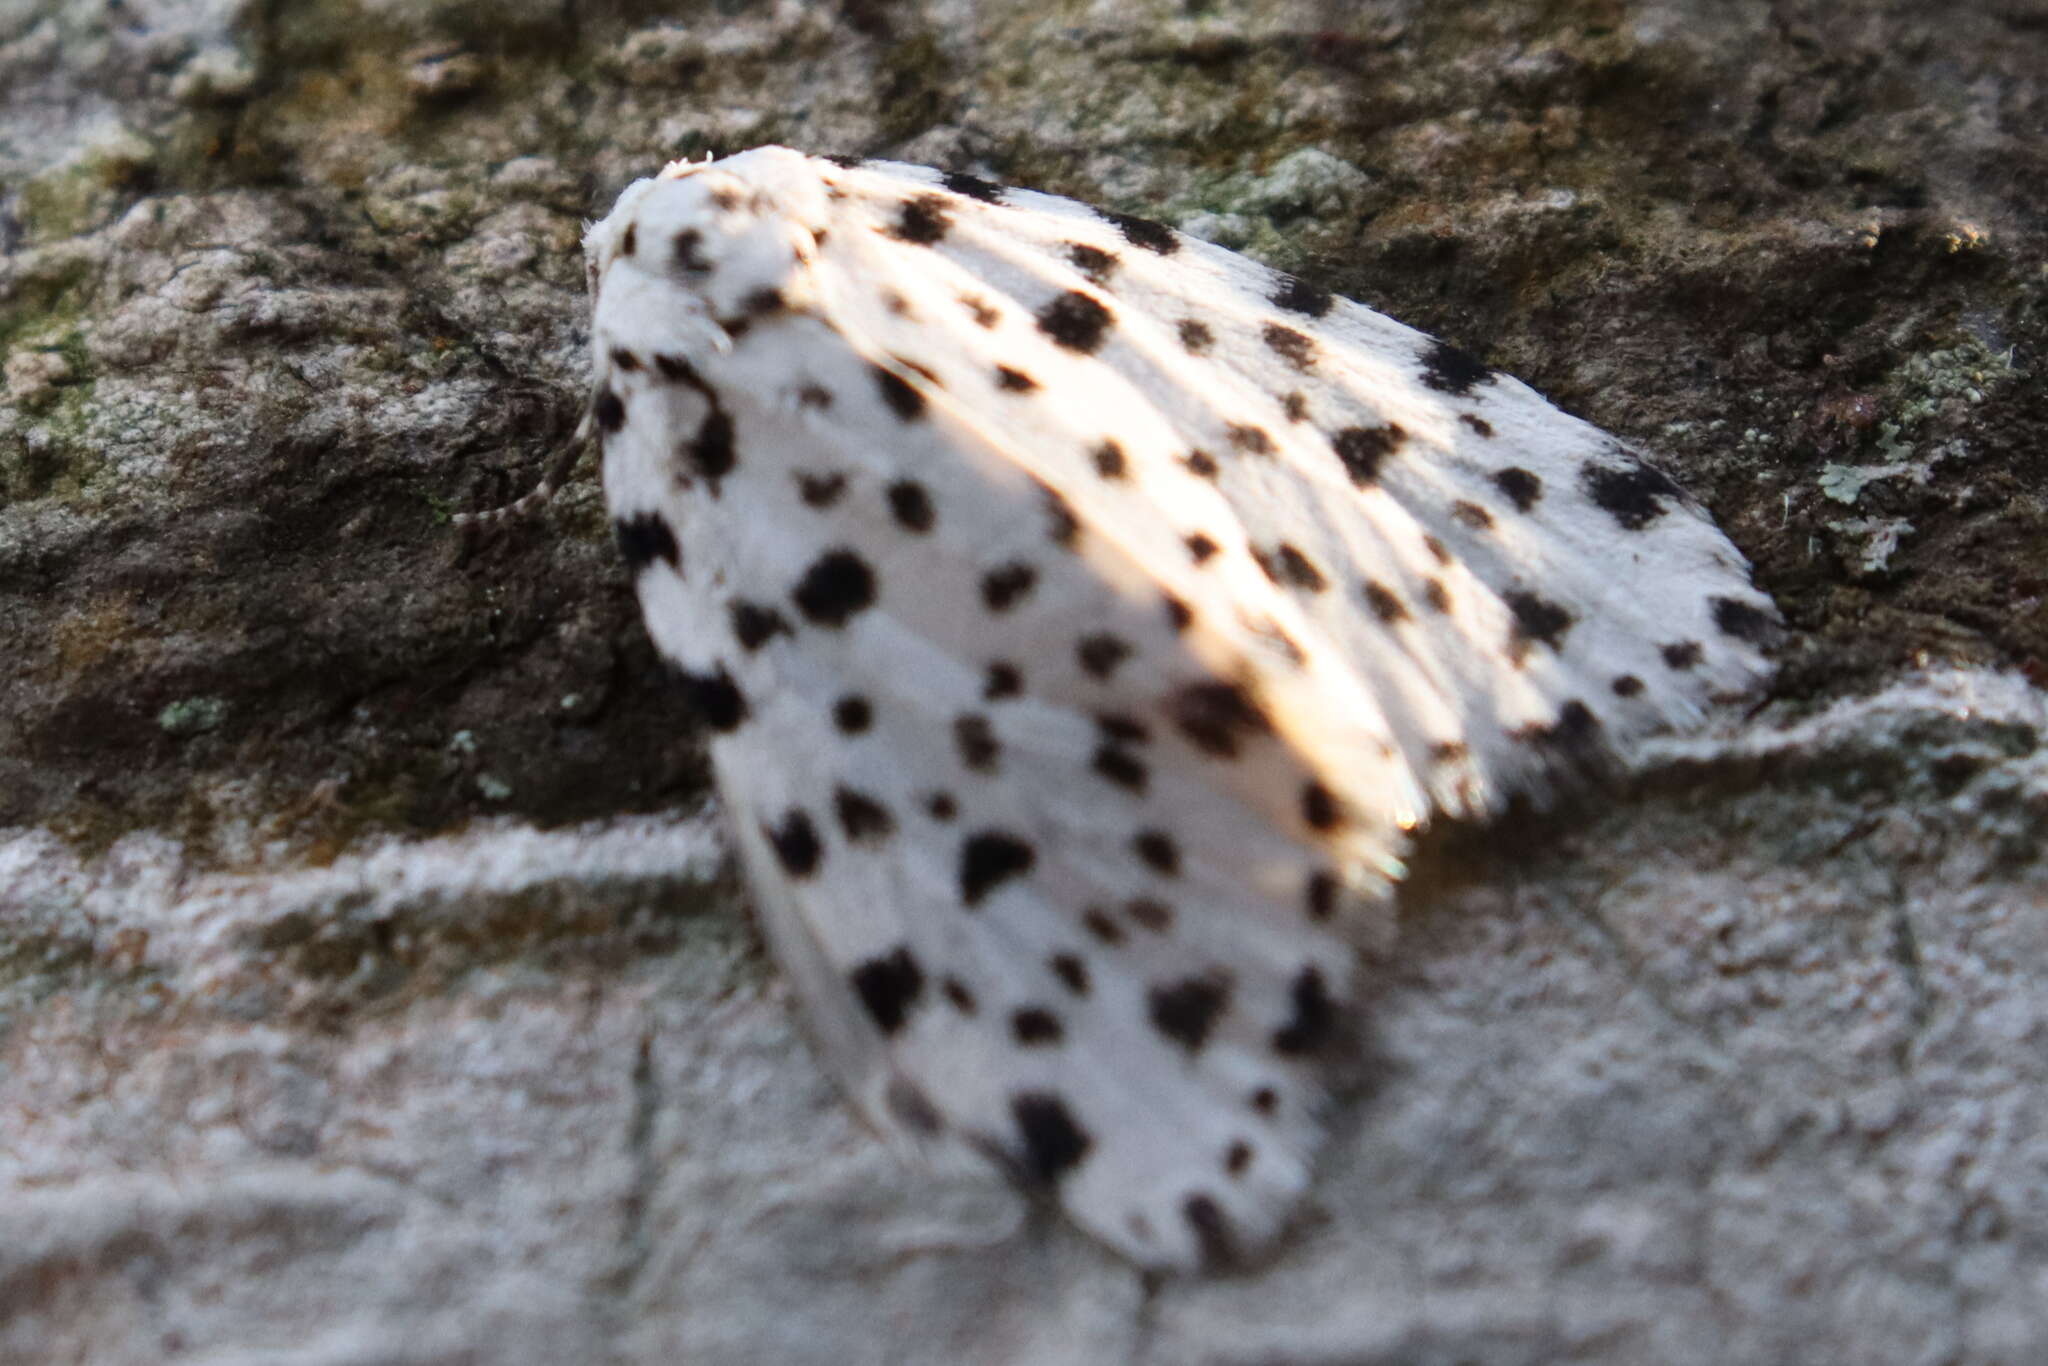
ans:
x=104 y=174
x=193 y=716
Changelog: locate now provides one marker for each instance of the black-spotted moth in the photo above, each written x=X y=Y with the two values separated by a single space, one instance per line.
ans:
x=1085 y=616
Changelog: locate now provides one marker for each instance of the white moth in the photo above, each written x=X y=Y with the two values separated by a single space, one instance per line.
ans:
x=1086 y=616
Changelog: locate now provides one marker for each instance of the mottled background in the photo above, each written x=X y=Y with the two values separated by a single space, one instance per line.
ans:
x=372 y=984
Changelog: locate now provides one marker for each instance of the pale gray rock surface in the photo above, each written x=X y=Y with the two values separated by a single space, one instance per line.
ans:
x=374 y=987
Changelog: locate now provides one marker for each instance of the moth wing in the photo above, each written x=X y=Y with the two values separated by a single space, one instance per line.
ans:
x=1050 y=812
x=1517 y=593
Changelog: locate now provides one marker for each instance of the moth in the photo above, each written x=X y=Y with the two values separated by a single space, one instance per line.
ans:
x=1085 y=617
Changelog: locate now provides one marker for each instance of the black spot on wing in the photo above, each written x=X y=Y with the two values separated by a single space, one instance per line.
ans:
x=973 y=187
x=923 y=221
x=689 y=257
x=754 y=625
x=1536 y=618
x=795 y=842
x=1448 y=370
x=1098 y=923
x=1186 y=1011
x=1634 y=495
x=1036 y=1027
x=715 y=697
x=1147 y=914
x=1298 y=296
x=899 y=393
x=1061 y=525
x=975 y=740
x=1320 y=809
x=836 y=586
x=1006 y=585
x=1053 y=1143
x=1121 y=767
x=609 y=410
x=676 y=370
x=1248 y=439
x=1286 y=566
x=1298 y=349
x=1013 y=381
x=1109 y=459
x=644 y=538
x=1101 y=653
x=1523 y=487
x=1077 y=321
x=1385 y=603
x=1320 y=895
x=1315 y=1016
x=1002 y=680
x=852 y=714
x=1218 y=717
x=1472 y=515
x=1158 y=851
x=1143 y=232
x=1745 y=621
x=1362 y=450
x=820 y=490
x=980 y=311
x=889 y=986
x=1681 y=654
x=911 y=506
x=988 y=859
x=1196 y=336
x=1095 y=263
x=865 y=820
x=710 y=452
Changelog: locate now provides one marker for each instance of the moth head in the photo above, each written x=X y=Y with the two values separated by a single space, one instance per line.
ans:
x=719 y=237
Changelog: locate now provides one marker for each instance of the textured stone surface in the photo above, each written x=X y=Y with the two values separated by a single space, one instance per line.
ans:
x=371 y=989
